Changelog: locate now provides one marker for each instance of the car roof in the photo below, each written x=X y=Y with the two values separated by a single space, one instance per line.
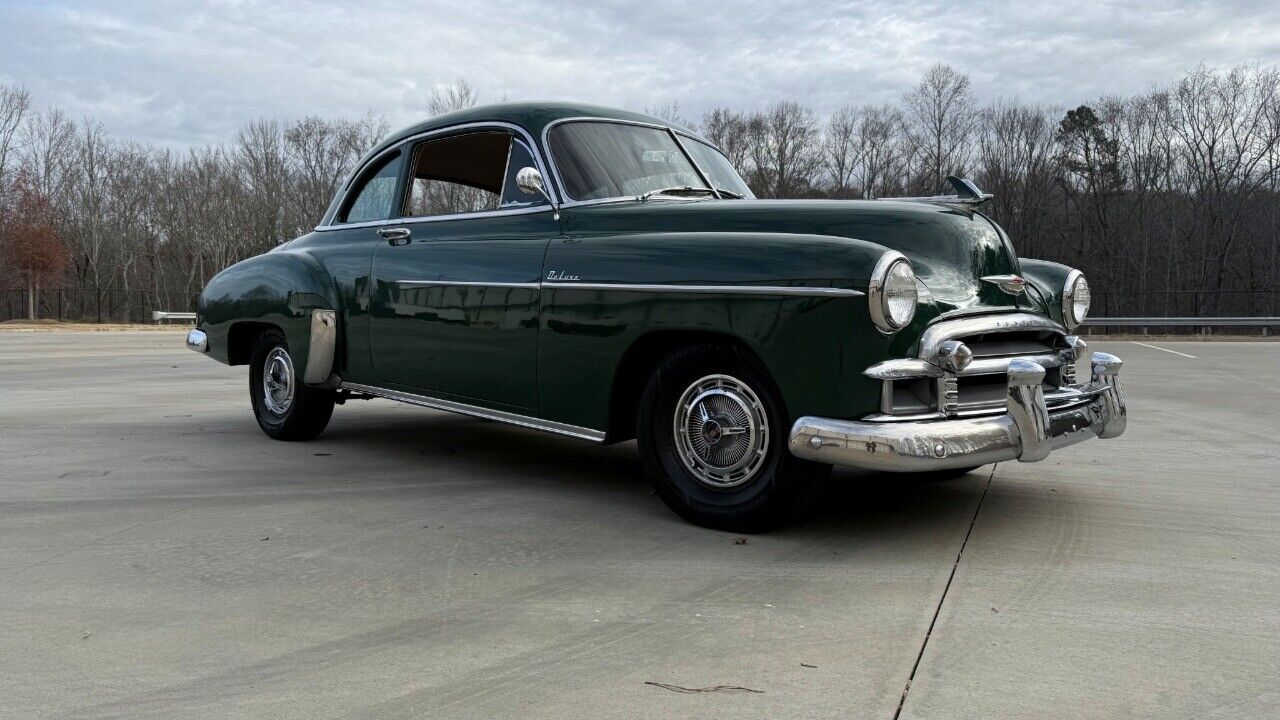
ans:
x=532 y=116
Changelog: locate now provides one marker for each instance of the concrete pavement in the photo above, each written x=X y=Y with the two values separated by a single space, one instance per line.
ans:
x=160 y=557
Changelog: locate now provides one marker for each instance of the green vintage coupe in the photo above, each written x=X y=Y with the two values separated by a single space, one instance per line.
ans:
x=606 y=275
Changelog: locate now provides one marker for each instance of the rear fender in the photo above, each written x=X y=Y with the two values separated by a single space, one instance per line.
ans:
x=287 y=290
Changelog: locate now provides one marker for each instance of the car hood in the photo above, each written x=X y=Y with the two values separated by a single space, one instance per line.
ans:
x=950 y=248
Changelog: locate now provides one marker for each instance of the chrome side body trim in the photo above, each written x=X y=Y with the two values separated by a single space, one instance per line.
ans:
x=776 y=290
x=550 y=426
x=1026 y=431
x=780 y=290
x=324 y=338
x=197 y=340
x=467 y=283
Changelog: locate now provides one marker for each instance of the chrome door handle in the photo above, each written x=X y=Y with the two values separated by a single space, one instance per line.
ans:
x=395 y=236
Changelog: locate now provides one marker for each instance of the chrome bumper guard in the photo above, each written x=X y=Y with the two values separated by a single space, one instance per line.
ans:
x=1027 y=431
x=197 y=340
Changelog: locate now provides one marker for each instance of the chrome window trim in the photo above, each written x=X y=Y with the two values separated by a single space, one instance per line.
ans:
x=565 y=201
x=551 y=426
x=777 y=290
x=418 y=219
x=328 y=223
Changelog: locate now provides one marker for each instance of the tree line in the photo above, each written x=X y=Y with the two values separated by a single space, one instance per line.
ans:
x=1155 y=196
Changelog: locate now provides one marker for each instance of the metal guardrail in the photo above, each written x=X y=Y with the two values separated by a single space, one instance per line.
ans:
x=1185 y=321
x=159 y=315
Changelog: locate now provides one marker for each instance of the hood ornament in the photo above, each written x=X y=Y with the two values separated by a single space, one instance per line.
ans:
x=1011 y=284
x=967 y=194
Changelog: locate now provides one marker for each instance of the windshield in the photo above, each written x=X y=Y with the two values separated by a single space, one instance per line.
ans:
x=717 y=168
x=599 y=160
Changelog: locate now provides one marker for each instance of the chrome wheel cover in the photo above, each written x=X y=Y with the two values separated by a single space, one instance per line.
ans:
x=277 y=381
x=721 y=431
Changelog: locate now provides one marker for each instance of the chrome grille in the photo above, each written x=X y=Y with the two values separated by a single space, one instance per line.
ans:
x=983 y=385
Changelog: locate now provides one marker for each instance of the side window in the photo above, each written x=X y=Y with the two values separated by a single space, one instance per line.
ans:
x=512 y=196
x=375 y=199
x=460 y=174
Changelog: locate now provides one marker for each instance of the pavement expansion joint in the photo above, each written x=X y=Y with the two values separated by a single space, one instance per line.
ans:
x=946 y=588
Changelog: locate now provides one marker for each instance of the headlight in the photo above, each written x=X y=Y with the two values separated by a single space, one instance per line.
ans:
x=892 y=293
x=1075 y=299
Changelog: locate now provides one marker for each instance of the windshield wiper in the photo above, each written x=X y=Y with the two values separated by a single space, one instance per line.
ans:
x=689 y=188
x=673 y=190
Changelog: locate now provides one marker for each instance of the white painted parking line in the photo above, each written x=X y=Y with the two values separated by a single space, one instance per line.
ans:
x=1155 y=347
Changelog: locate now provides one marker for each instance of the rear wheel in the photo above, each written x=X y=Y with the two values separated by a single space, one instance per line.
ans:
x=286 y=409
x=712 y=432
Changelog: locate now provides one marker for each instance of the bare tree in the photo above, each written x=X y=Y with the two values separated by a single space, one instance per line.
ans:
x=728 y=129
x=1016 y=157
x=458 y=95
x=940 y=117
x=669 y=111
x=15 y=105
x=880 y=168
x=784 y=142
x=842 y=151
x=1223 y=125
x=1153 y=195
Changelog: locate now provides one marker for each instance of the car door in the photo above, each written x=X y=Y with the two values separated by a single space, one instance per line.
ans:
x=346 y=250
x=455 y=287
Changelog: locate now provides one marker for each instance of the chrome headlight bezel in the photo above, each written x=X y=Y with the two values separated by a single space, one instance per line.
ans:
x=1070 y=293
x=879 y=294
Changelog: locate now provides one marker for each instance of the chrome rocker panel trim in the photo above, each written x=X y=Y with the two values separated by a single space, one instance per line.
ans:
x=550 y=426
x=1027 y=431
x=197 y=340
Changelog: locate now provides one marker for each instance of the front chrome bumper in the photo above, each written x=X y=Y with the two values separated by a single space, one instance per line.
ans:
x=1026 y=431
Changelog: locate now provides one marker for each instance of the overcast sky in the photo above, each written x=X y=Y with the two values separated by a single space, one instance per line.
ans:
x=189 y=72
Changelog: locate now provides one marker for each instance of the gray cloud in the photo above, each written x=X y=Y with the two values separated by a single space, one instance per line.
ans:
x=185 y=72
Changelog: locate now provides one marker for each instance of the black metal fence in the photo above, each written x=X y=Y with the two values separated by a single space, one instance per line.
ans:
x=89 y=305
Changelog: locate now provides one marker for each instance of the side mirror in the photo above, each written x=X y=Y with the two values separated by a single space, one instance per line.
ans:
x=530 y=182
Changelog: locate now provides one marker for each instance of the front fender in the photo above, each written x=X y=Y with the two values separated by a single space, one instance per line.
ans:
x=815 y=347
x=280 y=289
x=1049 y=280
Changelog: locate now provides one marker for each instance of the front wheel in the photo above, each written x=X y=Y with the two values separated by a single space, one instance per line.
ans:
x=712 y=432
x=286 y=409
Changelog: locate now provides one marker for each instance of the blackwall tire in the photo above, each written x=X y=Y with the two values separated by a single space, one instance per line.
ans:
x=712 y=432
x=285 y=408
